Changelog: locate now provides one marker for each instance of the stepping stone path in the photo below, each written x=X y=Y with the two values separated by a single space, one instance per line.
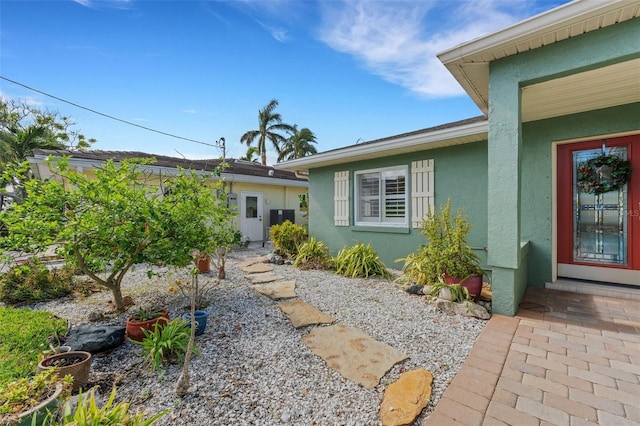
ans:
x=279 y=290
x=404 y=399
x=257 y=268
x=349 y=351
x=352 y=353
x=264 y=278
x=301 y=314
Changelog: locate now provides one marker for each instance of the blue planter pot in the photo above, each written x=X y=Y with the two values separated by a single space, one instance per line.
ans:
x=201 y=319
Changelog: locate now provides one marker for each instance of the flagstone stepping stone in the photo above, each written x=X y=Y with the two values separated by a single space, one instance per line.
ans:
x=266 y=277
x=251 y=261
x=301 y=313
x=405 y=398
x=257 y=268
x=352 y=353
x=275 y=291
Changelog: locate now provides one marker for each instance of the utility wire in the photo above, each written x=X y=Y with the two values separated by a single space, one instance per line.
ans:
x=107 y=115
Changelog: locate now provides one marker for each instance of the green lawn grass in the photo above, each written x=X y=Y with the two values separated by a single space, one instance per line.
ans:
x=23 y=338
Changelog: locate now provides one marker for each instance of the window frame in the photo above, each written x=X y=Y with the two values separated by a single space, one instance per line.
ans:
x=381 y=222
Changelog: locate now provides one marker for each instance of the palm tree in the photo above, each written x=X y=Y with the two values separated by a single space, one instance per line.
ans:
x=269 y=123
x=298 y=145
x=250 y=153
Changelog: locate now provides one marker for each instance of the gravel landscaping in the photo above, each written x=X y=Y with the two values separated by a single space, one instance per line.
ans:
x=253 y=367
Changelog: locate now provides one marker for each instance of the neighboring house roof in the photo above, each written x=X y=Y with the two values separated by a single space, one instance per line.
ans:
x=469 y=62
x=237 y=170
x=455 y=133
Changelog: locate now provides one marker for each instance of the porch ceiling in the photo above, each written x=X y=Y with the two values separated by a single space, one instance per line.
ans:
x=604 y=87
x=469 y=62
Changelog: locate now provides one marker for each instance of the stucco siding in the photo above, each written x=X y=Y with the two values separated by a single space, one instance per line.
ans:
x=460 y=173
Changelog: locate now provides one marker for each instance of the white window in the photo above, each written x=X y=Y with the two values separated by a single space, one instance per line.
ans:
x=381 y=197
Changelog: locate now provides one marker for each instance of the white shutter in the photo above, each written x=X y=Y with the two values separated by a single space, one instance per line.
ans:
x=341 y=198
x=422 y=191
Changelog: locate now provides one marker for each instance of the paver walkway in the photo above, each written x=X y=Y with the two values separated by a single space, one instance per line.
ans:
x=565 y=359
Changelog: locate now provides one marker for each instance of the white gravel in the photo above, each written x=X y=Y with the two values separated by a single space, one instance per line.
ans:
x=253 y=368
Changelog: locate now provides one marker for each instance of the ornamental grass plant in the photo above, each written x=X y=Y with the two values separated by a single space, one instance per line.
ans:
x=359 y=261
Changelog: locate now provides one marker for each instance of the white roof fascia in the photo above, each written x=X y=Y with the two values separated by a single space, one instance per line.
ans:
x=171 y=171
x=549 y=21
x=388 y=146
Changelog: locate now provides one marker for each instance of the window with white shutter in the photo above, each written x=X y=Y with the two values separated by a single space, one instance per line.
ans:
x=422 y=191
x=381 y=197
x=341 y=198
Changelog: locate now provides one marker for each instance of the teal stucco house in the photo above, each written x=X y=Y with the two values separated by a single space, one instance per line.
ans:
x=556 y=90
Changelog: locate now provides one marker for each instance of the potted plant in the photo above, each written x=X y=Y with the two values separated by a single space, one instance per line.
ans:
x=447 y=254
x=144 y=319
x=201 y=319
x=28 y=401
x=203 y=261
x=76 y=364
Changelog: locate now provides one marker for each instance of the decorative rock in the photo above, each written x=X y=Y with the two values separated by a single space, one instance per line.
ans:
x=257 y=268
x=95 y=316
x=275 y=291
x=406 y=398
x=301 y=314
x=353 y=353
x=264 y=278
x=277 y=259
x=415 y=289
x=445 y=294
x=95 y=338
x=467 y=309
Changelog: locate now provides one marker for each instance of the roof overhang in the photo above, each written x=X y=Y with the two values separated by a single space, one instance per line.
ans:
x=469 y=62
x=38 y=161
x=402 y=144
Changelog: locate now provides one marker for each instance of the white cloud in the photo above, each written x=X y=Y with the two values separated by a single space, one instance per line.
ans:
x=399 y=40
x=189 y=111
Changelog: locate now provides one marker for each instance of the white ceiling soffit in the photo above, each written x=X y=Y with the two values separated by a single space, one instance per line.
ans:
x=468 y=133
x=469 y=62
x=604 y=87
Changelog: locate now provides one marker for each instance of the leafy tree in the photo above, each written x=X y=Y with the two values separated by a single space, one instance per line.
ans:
x=110 y=223
x=251 y=151
x=298 y=145
x=269 y=124
x=23 y=129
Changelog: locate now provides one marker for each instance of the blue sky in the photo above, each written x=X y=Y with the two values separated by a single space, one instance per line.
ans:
x=347 y=70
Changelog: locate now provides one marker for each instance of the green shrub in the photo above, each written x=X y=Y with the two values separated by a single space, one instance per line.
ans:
x=359 y=261
x=166 y=344
x=24 y=335
x=33 y=282
x=87 y=413
x=287 y=238
x=313 y=254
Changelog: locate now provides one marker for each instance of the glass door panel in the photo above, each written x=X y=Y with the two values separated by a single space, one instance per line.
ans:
x=600 y=231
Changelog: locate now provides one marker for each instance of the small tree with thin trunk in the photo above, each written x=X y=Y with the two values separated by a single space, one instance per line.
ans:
x=107 y=224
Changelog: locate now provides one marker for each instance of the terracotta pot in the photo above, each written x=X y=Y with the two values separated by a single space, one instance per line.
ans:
x=40 y=411
x=79 y=370
x=472 y=283
x=134 y=328
x=204 y=264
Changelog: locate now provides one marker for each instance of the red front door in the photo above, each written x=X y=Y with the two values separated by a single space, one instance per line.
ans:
x=599 y=233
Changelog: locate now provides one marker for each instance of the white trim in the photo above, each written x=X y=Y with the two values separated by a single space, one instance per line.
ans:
x=90 y=164
x=381 y=197
x=594 y=273
x=401 y=144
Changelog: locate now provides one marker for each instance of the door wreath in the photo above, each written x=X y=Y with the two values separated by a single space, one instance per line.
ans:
x=603 y=174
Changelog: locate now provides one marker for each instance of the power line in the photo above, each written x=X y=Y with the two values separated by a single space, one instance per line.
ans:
x=107 y=115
